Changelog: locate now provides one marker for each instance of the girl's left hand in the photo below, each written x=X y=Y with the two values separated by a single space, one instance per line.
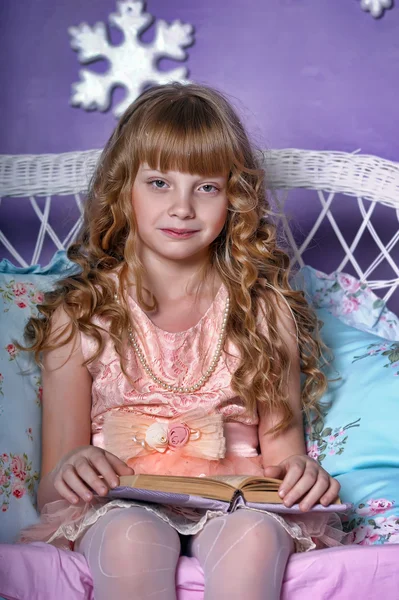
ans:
x=305 y=480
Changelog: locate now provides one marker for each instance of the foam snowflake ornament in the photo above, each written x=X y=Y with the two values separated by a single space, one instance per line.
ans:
x=133 y=64
x=376 y=7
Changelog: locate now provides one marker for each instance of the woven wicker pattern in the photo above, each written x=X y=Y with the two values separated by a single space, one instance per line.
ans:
x=46 y=174
x=359 y=175
x=369 y=181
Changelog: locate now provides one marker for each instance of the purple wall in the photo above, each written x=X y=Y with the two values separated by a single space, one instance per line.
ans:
x=316 y=74
x=319 y=74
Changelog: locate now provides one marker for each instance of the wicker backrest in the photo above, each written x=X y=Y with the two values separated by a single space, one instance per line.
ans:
x=44 y=184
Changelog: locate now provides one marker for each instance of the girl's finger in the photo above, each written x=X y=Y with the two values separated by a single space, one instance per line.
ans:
x=65 y=491
x=313 y=497
x=90 y=475
x=294 y=474
x=332 y=493
x=303 y=485
x=120 y=467
x=73 y=482
x=104 y=467
x=77 y=485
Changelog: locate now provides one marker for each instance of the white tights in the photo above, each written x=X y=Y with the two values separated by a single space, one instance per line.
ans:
x=133 y=554
x=243 y=555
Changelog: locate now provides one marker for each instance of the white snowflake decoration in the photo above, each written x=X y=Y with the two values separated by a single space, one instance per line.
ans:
x=133 y=63
x=376 y=7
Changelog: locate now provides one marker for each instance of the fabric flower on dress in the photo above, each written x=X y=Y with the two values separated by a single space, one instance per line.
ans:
x=157 y=436
x=178 y=435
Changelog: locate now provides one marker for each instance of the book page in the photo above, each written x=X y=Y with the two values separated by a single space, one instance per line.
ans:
x=221 y=487
x=236 y=481
x=241 y=482
x=195 y=486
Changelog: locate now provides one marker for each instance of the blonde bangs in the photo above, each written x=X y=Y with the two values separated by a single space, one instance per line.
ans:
x=185 y=136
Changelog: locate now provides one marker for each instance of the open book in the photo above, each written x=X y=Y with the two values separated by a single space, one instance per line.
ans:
x=225 y=493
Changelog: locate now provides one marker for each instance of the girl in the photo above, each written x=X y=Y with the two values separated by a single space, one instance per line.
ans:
x=182 y=314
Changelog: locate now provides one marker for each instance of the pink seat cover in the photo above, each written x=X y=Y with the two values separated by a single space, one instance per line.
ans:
x=42 y=572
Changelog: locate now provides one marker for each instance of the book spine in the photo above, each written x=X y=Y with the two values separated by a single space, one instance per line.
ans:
x=237 y=501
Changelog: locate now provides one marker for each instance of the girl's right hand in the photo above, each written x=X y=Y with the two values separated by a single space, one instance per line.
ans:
x=77 y=475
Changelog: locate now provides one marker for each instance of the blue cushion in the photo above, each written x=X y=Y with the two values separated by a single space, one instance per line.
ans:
x=20 y=392
x=360 y=430
x=352 y=301
x=356 y=440
x=374 y=493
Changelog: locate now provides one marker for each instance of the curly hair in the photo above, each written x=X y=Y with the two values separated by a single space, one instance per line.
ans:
x=191 y=129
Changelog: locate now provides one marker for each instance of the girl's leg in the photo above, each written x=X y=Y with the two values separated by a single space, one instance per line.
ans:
x=131 y=553
x=243 y=555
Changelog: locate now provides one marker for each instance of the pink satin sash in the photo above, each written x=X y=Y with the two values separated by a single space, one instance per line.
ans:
x=241 y=439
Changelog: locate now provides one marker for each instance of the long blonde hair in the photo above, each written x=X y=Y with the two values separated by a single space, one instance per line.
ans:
x=192 y=129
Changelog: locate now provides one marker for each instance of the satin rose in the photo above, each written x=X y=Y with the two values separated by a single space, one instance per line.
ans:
x=157 y=436
x=178 y=435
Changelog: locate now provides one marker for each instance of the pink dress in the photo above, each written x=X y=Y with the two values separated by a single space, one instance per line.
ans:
x=179 y=359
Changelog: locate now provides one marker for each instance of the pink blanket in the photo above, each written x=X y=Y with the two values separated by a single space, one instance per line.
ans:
x=42 y=572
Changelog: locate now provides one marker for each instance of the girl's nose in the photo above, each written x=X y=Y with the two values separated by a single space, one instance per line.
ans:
x=182 y=205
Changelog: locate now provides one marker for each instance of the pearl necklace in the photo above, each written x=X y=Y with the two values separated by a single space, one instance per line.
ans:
x=208 y=372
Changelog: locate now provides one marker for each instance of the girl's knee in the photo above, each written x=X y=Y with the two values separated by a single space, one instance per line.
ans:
x=135 y=530
x=132 y=553
x=261 y=529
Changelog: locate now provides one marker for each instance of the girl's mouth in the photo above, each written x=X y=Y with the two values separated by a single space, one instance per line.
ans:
x=179 y=233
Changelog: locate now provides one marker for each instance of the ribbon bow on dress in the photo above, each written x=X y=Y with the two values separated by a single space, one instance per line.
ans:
x=129 y=435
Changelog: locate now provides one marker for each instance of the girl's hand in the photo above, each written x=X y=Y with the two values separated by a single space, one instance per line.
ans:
x=304 y=479
x=77 y=475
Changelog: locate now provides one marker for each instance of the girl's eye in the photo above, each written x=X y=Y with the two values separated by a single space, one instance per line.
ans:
x=209 y=188
x=159 y=184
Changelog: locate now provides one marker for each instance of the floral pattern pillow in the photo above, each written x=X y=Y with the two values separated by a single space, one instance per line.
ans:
x=21 y=290
x=355 y=438
x=353 y=302
x=374 y=518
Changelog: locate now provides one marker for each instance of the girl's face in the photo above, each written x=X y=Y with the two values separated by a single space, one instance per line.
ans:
x=178 y=214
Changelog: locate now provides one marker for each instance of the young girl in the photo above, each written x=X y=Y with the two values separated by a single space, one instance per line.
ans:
x=182 y=317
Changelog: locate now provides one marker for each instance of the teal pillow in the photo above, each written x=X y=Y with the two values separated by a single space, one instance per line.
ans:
x=20 y=392
x=356 y=438
x=362 y=401
x=374 y=493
